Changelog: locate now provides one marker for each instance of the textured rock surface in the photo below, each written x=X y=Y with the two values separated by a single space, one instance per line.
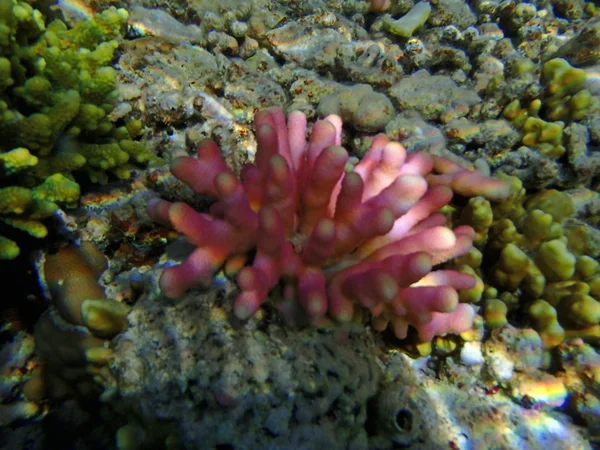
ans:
x=417 y=410
x=435 y=97
x=189 y=367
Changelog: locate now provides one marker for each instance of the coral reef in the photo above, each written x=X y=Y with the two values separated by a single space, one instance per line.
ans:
x=23 y=208
x=58 y=90
x=453 y=44
x=283 y=343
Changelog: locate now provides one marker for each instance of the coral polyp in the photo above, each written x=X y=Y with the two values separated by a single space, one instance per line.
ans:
x=337 y=239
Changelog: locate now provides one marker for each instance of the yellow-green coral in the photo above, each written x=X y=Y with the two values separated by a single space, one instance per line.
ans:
x=103 y=157
x=8 y=249
x=538 y=259
x=16 y=159
x=14 y=200
x=5 y=77
x=22 y=208
x=57 y=89
x=555 y=261
x=474 y=294
x=566 y=98
x=495 y=313
x=545 y=321
x=137 y=151
x=478 y=214
x=514 y=269
x=545 y=137
x=516 y=114
x=57 y=188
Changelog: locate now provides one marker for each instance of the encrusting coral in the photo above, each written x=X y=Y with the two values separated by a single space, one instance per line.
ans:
x=368 y=237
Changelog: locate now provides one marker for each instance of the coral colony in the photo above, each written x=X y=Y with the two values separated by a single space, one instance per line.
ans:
x=368 y=237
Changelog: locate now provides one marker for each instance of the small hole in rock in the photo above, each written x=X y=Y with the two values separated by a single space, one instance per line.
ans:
x=404 y=420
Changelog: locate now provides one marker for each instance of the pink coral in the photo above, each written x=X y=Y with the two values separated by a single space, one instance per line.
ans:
x=336 y=238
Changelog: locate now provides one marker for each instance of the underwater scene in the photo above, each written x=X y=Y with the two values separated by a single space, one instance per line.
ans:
x=299 y=225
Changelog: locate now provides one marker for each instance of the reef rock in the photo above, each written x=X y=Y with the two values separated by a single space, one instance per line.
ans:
x=200 y=374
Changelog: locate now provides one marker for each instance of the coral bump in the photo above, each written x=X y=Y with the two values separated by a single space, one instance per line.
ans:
x=336 y=239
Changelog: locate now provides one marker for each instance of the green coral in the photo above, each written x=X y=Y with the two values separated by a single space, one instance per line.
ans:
x=5 y=76
x=565 y=95
x=57 y=90
x=545 y=321
x=57 y=188
x=16 y=160
x=545 y=137
x=14 y=200
x=564 y=99
x=538 y=259
x=23 y=208
x=137 y=151
x=103 y=157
